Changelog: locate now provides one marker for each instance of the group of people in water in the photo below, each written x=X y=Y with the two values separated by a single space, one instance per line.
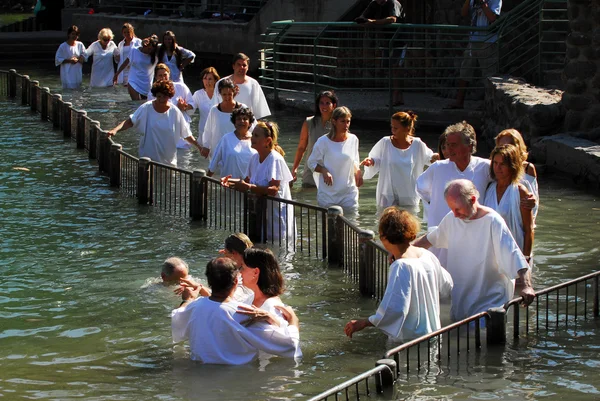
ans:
x=480 y=213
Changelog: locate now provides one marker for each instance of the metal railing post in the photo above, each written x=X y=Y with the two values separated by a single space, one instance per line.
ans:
x=24 y=89
x=80 y=129
x=44 y=104
x=12 y=83
x=335 y=248
x=93 y=145
x=143 y=181
x=197 y=195
x=388 y=376
x=256 y=215
x=103 y=144
x=115 y=165
x=496 y=326
x=56 y=110
x=365 y=262
x=33 y=95
x=67 y=107
x=596 y=298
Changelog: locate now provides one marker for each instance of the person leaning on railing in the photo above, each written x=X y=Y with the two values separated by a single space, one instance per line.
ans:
x=410 y=307
x=161 y=125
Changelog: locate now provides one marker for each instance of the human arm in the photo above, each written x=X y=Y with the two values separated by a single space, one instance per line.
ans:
x=120 y=69
x=528 y=224
x=190 y=289
x=373 y=162
x=527 y=291
x=490 y=13
x=244 y=186
x=187 y=58
x=464 y=11
x=117 y=54
x=382 y=21
x=422 y=242
x=316 y=162
x=356 y=325
x=82 y=58
x=124 y=125
x=425 y=184
x=302 y=145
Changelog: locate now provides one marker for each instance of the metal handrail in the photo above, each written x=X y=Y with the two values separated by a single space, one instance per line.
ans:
x=353 y=383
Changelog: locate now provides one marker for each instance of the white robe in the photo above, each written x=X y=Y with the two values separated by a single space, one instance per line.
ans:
x=183 y=92
x=398 y=171
x=483 y=260
x=71 y=75
x=410 y=307
x=232 y=156
x=509 y=208
x=216 y=335
x=176 y=75
x=160 y=132
x=218 y=124
x=103 y=69
x=141 y=71
x=203 y=103
x=251 y=94
x=281 y=224
x=532 y=185
x=121 y=54
x=341 y=159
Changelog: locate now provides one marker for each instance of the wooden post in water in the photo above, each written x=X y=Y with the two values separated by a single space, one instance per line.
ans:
x=388 y=376
x=101 y=151
x=44 y=104
x=56 y=110
x=24 y=89
x=335 y=247
x=12 y=83
x=364 y=262
x=93 y=145
x=115 y=165
x=67 y=107
x=80 y=129
x=143 y=182
x=34 y=87
x=496 y=326
x=197 y=195
x=256 y=217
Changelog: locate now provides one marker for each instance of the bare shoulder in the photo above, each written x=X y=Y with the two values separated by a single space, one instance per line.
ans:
x=523 y=191
x=530 y=169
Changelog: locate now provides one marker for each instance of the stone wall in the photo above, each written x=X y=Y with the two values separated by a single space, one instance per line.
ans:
x=582 y=71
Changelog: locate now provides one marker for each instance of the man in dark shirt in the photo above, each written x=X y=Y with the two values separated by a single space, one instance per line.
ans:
x=381 y=12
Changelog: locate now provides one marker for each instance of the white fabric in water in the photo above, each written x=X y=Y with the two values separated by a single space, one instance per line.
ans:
x=103 y=69
x=232 y=156
x=203 y=103
x=70 y=74
x=183 y=92
x=509 y=208
x=141 y=71
x=171 y=62
x=122 y=54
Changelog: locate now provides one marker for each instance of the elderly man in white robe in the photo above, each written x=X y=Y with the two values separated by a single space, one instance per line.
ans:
x=220 y=330
x=249 y=91
x=483 y=257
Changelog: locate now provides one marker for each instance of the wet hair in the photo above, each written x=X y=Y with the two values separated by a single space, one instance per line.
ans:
x=466 y=131
x=162 y=66
x=152 y=41
x=407 y=119
x=210 y=70
x=240 y=56
x=129 y=28
x=398 y=226
x=338 y=112
x=226 y=84
x=73 y=28
x=441 y=144
x=238 y=242
x=466 y=189
x=165 y=87
x=270 y=280
x=329 y=94
x=105 y=33
x=171 y=264
x=221 y=274
x=517 y=140
x=512 y=158
x=242 y=111
x=271 y=130
x=176 y=49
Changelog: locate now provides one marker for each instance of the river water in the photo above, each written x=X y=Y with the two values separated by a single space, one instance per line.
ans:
x=81 y=316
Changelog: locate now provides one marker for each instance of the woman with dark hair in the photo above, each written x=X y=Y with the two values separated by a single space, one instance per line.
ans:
x=234 y=150
x=262 y=275
x=174 y=56
x=70 y=56
x=410 y=307
x=218 y=122
x=205 y=99
x=399 y=159
x=161 y=125
x=313 y=128
x=121 y=54
x=141 y=61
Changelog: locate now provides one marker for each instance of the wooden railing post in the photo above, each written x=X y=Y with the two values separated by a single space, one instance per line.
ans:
x=80 y=129
x=143 y=182
x=44 y=104
x=67 y=108
x=93 y=145
x=197 y=195
x=388 y=377
x=56 y=110
x=596 y=298
x=365 y=262
x=24 y=89
x=496 y=326
x=33 y=95
x=12 y=83
x=115 y=165
x=335 y=246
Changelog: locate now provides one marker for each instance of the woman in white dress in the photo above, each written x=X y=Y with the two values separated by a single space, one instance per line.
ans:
x=505 y=194
x=70 y=56
x=335 y=158
x=161 y=125
x=410 y=307
x=234 y=150
x=123 y=49
x=205 y=99
x=399 y=159
x=174 y=56
x=268 y=174
x=102 y=51
x=218 y=122
x=141 y=61
x=313 y=128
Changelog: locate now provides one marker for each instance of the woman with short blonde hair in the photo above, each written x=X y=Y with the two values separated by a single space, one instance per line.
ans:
x=102 y=52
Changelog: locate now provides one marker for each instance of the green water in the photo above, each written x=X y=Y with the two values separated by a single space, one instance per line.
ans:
x=80 y=317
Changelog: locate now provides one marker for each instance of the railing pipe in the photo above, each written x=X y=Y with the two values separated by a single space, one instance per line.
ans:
x=67 y=108
x=80 y=129
x=388 y=376
x=34 y=87
x=56 y=110
x=364 y=261
x=115 y=165
x=334 y=235
x=143 y=181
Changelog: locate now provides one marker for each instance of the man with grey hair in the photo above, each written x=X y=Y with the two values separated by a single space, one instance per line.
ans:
x=483 y=258
x=173 y=270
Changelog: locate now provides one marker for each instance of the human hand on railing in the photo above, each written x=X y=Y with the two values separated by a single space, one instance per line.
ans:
x=112 y=132
x=204 y=152
x=368 y=162
x=358 y=178
x=327 y=177
x=273 y=187
x=528 y=295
